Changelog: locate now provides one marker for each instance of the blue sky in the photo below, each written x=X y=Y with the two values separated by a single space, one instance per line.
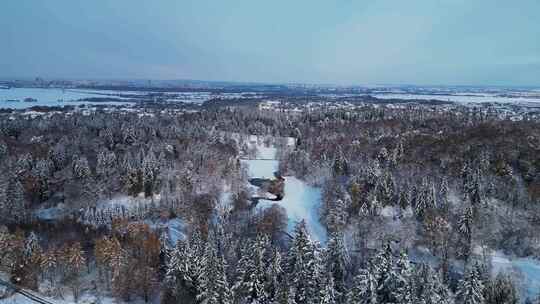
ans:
x=476 y=42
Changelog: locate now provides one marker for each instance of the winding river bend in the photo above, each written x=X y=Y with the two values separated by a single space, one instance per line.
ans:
x=300 y=200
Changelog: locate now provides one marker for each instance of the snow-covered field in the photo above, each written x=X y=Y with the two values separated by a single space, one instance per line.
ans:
x=85 y=299
x=301 y=201
x=14 y=98
x=461 y=98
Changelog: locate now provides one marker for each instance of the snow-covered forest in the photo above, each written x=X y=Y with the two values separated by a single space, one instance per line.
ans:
x=241 y=204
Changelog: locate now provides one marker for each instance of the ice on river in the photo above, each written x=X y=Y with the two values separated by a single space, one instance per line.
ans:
x=301 y=201
x=261 y=168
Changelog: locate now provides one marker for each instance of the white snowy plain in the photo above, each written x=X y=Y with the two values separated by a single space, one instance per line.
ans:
x=301 y=201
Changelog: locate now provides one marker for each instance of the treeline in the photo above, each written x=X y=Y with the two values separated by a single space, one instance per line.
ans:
x=395 y=180
x=133 y=261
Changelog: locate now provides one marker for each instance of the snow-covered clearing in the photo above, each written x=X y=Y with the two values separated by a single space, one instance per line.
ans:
x=89 y=293
x=301 y=201
x=85 y=299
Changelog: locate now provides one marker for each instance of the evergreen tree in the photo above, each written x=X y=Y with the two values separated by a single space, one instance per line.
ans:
x=382 y=268
x=151 y=169
x=105 y=163
x=501 y=290
x=402 y=277
x=386 y=189
x=403 y=199
x=214 y=288
x=465 y=225
x=250 y=286
x=336 y=263
x=337 y=216
x=470 y=288
x=275 y=275
x=443 y=192
x=364 y=289
x=14 y=204
x=284 y=294
x=81 y=169
x=328 y=293
x=303 y=266
x=181 y=275
x=428 y=286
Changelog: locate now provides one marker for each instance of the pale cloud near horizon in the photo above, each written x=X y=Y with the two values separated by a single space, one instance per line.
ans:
x=342 y=41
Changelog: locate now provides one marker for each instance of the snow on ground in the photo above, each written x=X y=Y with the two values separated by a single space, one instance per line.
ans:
x=176 y=230
x=469 y=98
x=301 y=201
x=13 y=98
x=266 y=152
x=52 y=213
x=127 y=202
x=389 y=211
x=261 y=168
x=89 y=293
x=529 y=268
x=84 y=299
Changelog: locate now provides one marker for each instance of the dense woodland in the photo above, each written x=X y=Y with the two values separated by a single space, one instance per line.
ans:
x=396 y=181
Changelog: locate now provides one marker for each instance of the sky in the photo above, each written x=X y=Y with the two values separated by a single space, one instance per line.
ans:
x=353 y=42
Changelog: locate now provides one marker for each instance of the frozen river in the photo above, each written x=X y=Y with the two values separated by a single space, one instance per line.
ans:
x=301 y=201
x=14 y=98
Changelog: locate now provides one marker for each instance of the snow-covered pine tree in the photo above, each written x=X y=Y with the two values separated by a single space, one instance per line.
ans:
x=303 y=266
x=151 y=168
x=403 y=292
x=424 y=200
x=428 y=286
x=336 y=260
x=106 y=161
x=386 y=189
x=501 y=290
x=465 y=226
x=41 y=172
x=15 y=203
x=336 y=218
x=181 y=276
x=250 y=286
x=284 y=294
x=275 y=275
x=214 y=287
x=404 y=198
x=81 y=169
x=364 y=289
x=470 y=289
x=328 y=294
x=381 y=267
x=443 y=193
x=3 y=150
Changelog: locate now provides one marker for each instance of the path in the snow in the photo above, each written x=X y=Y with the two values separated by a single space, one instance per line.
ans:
x=301 y=201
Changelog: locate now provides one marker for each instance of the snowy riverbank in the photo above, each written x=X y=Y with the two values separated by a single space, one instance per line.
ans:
x=301 y=201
